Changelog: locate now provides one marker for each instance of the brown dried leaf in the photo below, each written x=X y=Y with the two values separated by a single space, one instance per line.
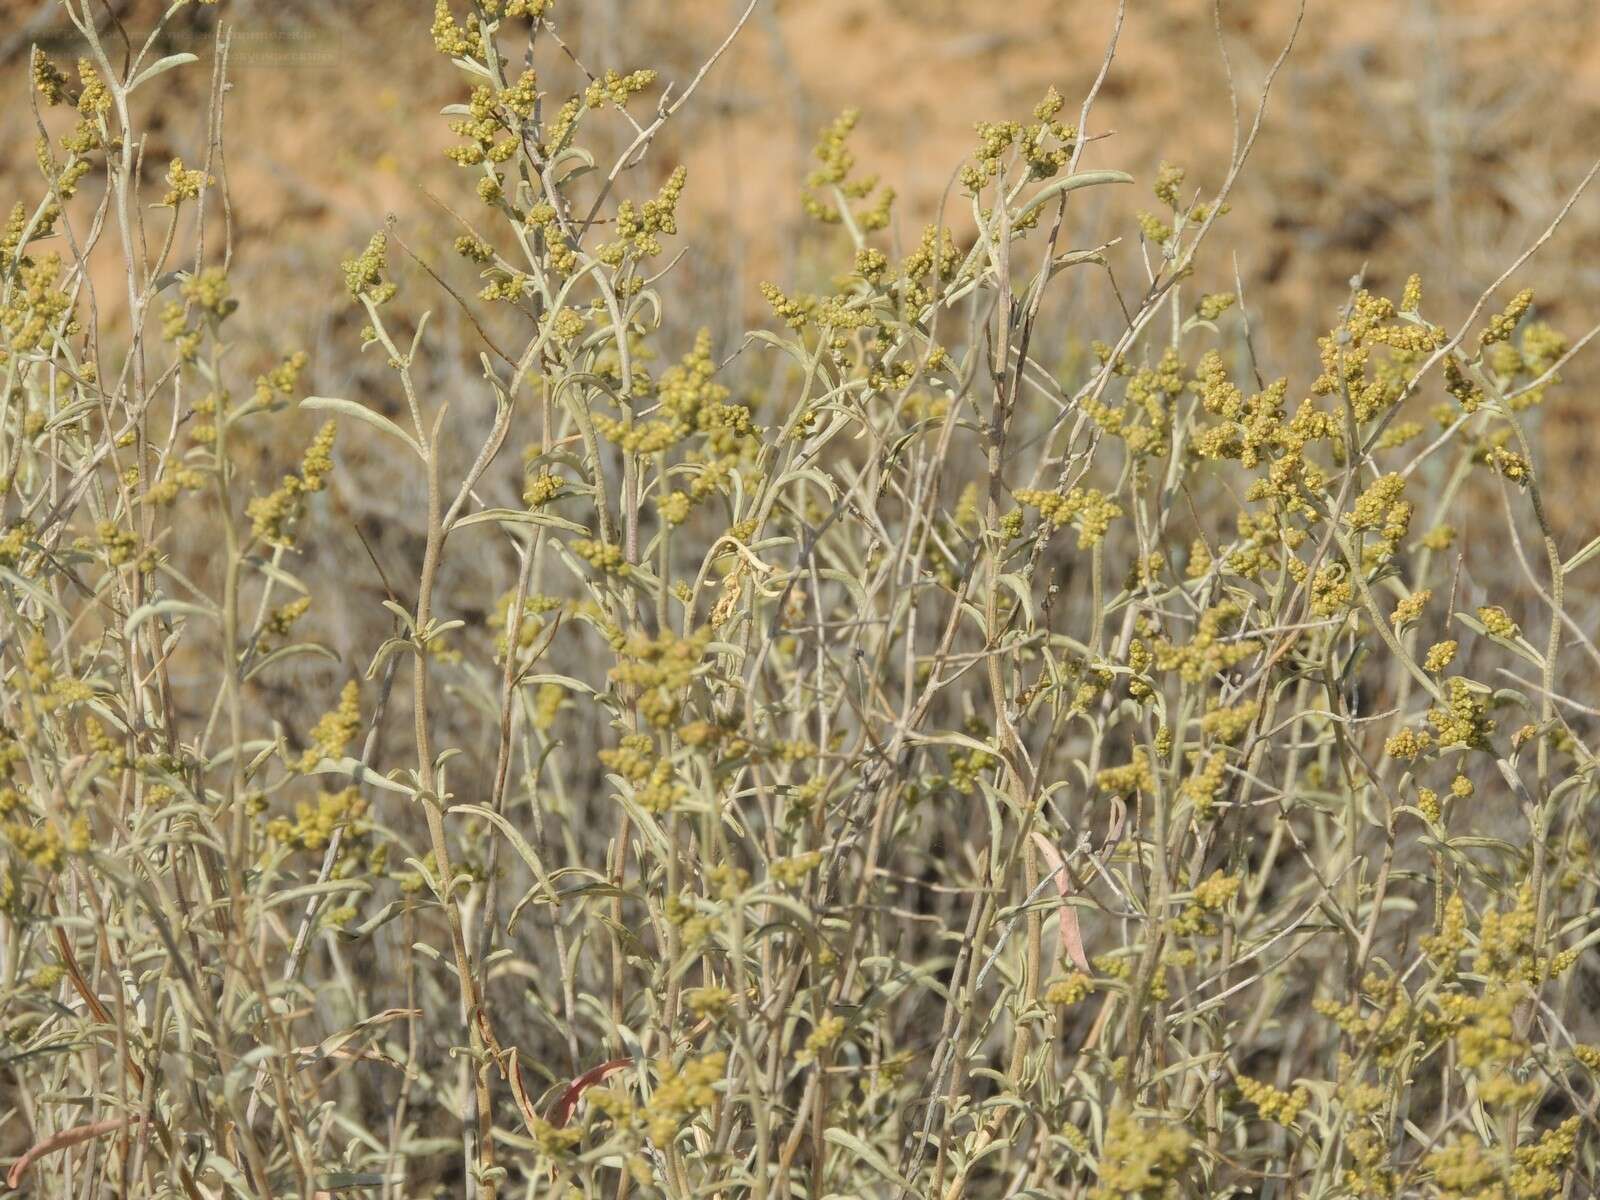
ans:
x=1069 y=938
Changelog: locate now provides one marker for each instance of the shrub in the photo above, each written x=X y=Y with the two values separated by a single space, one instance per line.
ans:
x=975 y=768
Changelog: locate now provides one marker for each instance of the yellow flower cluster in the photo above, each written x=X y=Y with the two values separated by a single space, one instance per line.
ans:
x=661 y=670
x=1509 y=463
x=1046 y=146
x=209 y=289
x=1064 y=993
x=1140 y=1159
x=1383 y=1025
x=36 y=306
x=528 y=627
x=273 y=515
x=1230 y=724
x=121 y=546
x=1132 y=777
x=491 y=134
x=791 y=872
x=1496 y=621
x=1348 y=368
x=1381 y=506
x=606 y=557
x=1210 y=896
x=1467 y=393
x=314 y=824
x=541 y=489
x=698 y=404
x=1092 y=511
x=363 y=274
x=1464 y=720
x=1210 y=650
x=1410 y=608
x=651 y=437
x=936 y=260
x=1467 y=1169
x=682 y=1093
x=1201 y=788
x=283 y=379
x=825 y=1034
x=555 y=1141
x=1506 y=940
x=1169 y=178
x=1440 y=655
x=1273 y=1104
x=448 y=37
x=837 y=161
x=708 y=1001
x=48 y=80
x=660 y=791
x=334 y=729
x=633 y=758
x=1408 y=744
x=522 y=97
x=1143 y=419
x=42 y=844
x=617 y=88
x=1252 y=427
x=1504 y=323
x=1154 y=230
x=968 y=767
x=183 y=183
x=94 y=98
x=547 y=704
x=639 y=229
x=1411 y=295
x=282 y=618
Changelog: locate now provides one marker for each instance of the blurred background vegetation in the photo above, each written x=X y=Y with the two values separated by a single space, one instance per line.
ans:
x=1428 y=136
x=1434 y=136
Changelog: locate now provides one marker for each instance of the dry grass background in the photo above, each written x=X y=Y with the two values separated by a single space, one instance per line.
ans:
x=1433 y=136
x=1408 y=135
x=1405 y=136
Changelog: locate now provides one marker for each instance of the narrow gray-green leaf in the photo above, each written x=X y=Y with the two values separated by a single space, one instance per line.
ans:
x=162 y=608
x=161 y=66
x=361 y=412
x=520 y=516
x=868 y=1155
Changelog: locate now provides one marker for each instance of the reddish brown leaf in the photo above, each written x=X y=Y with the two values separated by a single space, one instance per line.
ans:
x=519 y=1090
x=60 y=1141
x=562 y=1113
x=1069 y=939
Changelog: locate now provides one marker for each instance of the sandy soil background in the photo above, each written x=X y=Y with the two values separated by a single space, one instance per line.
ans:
x=1407 y=135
